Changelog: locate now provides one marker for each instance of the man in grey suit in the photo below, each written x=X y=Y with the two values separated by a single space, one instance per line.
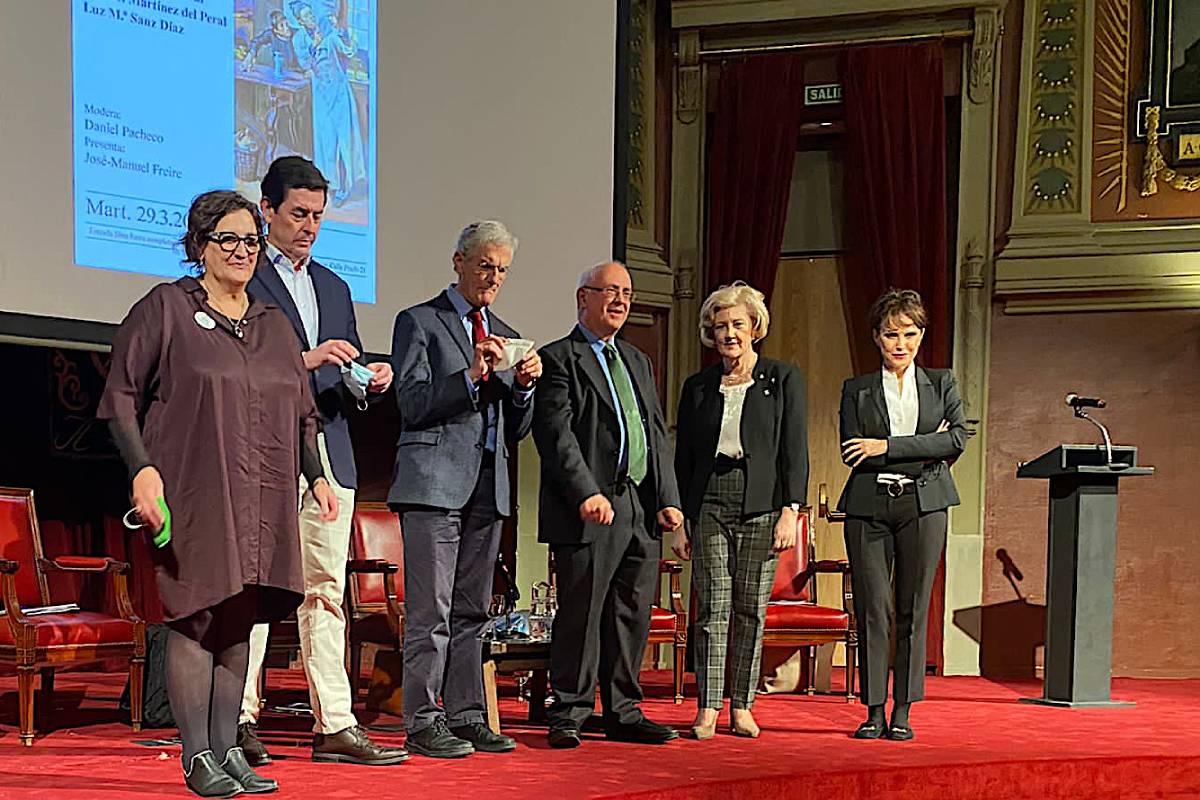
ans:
x=460 y=424
x=608 y=487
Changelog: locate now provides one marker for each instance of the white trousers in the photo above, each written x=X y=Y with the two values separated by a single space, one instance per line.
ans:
x=324 y=549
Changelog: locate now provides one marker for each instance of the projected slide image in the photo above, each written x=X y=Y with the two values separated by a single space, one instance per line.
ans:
x=176 y=97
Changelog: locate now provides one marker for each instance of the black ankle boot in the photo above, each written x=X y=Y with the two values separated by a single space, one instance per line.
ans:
x=236 y=767
x=205 y=777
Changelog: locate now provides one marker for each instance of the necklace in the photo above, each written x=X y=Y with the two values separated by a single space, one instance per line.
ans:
x=234 y=324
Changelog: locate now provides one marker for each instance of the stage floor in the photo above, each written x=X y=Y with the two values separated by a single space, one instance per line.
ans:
x=973 y=740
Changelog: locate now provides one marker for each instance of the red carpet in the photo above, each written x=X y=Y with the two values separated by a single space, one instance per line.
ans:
x=973 y=741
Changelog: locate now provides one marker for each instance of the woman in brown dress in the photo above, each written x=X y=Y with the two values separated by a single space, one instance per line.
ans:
x=209 y=404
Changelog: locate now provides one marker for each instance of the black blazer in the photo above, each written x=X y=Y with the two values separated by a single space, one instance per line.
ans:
x=924 y=456
x=774 y=437
x=336 y=321
x=578 y=438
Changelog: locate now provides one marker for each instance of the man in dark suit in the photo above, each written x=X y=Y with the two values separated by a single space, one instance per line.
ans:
x=460 y=423
x=318 y=304
x=607 y=489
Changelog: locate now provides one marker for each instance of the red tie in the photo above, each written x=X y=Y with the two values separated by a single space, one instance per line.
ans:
x=478 y=334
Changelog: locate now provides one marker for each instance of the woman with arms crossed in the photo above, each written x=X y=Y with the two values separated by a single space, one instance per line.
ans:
x=209 y=404
x=901 y=426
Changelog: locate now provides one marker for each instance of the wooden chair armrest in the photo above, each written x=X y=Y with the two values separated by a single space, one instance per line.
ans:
x=102 y=565
x=371 y=566
x=12 y=608
x=673 y=570
x=83 y=564
x=395 y=609
x=823 y=509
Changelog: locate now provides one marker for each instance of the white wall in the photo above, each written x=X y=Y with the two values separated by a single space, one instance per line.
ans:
x=486 y=109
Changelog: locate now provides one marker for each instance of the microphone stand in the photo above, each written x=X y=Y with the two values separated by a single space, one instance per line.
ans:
x=1079 y=412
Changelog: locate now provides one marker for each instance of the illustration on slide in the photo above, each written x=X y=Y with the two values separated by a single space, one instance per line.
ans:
x=303 y=86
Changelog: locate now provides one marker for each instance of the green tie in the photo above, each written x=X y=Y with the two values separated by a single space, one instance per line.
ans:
x=634 y=432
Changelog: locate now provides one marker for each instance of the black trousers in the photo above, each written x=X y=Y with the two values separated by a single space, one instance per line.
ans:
x=605 y=591
x=449 y=558
x=899 y=542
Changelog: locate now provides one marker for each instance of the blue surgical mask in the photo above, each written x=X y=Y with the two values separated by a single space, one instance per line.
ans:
x=356 y=377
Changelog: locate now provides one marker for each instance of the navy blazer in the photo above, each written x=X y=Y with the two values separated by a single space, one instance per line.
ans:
x=336 y=321
x=773 y=431
x=924 y=456
x=578 y=438
x=442 y=425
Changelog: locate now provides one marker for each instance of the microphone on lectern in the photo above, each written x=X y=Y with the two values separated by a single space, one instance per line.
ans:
x=1075 y=401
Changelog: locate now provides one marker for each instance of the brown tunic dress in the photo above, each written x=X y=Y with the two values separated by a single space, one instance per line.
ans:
x=223 y=420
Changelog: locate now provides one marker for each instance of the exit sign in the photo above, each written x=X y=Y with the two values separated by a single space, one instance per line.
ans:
x=823 y=94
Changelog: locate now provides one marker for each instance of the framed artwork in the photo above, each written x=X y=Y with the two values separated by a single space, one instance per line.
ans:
x=1169 y=106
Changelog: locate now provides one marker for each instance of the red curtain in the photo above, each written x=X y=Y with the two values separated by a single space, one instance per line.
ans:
x=895 y=201
x=752 y=150
x=895 y=193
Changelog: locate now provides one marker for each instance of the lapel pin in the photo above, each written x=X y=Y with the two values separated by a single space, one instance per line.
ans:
x=204 y=320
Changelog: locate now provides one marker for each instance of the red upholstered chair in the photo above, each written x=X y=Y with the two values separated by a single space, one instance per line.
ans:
x=794 y=617
x=668 y=623
x=43 y=642
x=375 y=583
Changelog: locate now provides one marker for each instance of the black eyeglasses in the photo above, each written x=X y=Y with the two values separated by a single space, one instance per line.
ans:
x=228 y=242
x=614 y=292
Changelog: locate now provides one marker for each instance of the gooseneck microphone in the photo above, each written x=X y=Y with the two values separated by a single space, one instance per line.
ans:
x=1075 y=401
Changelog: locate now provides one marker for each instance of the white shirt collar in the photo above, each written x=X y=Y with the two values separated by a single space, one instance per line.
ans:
x=282 y=262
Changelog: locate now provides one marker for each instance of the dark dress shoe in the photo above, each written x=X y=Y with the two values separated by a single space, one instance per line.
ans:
x=483 y=739
x=437 y=741
x=900 y=733
x=871 y=730
x=641 y=732
x=235 y=766
x=205 y=777
x=564 y=738
x=353 y=746
x=247 y=739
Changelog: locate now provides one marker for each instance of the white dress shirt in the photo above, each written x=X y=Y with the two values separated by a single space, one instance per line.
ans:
x=297 y=280
x=903 y=409
x=729 y=442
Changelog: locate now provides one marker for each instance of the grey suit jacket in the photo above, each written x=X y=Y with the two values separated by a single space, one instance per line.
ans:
x=578 y=439
x=925 y=456
x=442 y=426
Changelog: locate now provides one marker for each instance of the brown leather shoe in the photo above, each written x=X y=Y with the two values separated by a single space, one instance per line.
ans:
x=247 y=739
x=353 y=746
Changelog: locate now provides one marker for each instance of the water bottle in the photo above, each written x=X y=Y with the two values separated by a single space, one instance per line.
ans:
x=278 y=65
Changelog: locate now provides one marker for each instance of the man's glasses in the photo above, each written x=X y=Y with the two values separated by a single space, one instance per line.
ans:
x=614 y=292
x=228 y=242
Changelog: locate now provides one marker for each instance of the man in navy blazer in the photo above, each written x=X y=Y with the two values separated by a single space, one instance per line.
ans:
x=318 y=304
x=460 y=422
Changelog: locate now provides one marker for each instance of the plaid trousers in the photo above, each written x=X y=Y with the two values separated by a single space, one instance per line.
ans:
x=733 y=569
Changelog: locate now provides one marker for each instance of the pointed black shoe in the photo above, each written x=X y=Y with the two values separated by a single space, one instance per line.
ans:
x=641 y=732
x=236 y=767
x=437 y=741
x=900 y=733
x=871 y=730
x=206 y=778
x=484 y=739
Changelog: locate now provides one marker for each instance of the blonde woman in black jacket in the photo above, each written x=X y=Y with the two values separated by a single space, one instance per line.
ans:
x=741 y=461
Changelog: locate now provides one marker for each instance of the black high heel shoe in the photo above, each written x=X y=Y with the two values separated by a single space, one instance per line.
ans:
x=899 y=733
